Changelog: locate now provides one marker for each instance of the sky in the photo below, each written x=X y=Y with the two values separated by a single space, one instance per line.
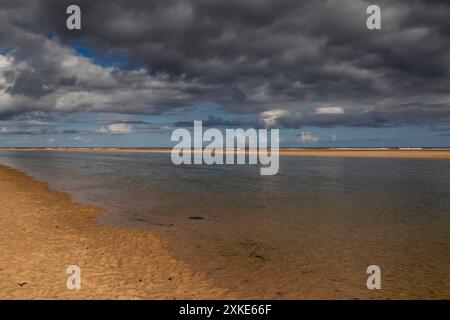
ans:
x=137 y=70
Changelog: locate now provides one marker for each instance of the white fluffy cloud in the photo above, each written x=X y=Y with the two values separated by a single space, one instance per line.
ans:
x=56 y=78
x=121 y=128
x=308 y=137
x=329 y=110
x=270 y=118
x=278 y=118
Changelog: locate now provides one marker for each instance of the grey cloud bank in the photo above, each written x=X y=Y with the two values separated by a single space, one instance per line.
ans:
x=285 y=63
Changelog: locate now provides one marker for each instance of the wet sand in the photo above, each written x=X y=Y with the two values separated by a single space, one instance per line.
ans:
x=43 y=232
x=295 y=152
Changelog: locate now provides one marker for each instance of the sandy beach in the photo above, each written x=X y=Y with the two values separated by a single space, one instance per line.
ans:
x=43 y=232
x=294 y=152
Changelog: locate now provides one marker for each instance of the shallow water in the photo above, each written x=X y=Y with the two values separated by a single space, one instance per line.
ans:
x=309 y=232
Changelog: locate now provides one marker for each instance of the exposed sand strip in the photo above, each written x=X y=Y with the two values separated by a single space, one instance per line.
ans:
x=358 y=153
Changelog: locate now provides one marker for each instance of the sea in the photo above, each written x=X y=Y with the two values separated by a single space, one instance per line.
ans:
x=311 y=231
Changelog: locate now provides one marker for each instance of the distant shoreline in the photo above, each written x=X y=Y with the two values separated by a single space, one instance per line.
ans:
x=438 y=153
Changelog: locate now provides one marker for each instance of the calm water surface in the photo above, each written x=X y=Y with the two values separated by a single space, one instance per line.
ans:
x=308 y=232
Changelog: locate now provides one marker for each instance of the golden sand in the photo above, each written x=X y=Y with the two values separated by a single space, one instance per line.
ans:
x=370 y=153
x=43 y=232
x=296 y=152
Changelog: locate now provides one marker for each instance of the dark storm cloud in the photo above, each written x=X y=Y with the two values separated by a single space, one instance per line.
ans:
x=213 y=121
x=29 y=83
x=244 y=56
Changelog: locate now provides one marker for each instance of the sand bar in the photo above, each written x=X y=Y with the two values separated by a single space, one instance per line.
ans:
x=295 y=152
